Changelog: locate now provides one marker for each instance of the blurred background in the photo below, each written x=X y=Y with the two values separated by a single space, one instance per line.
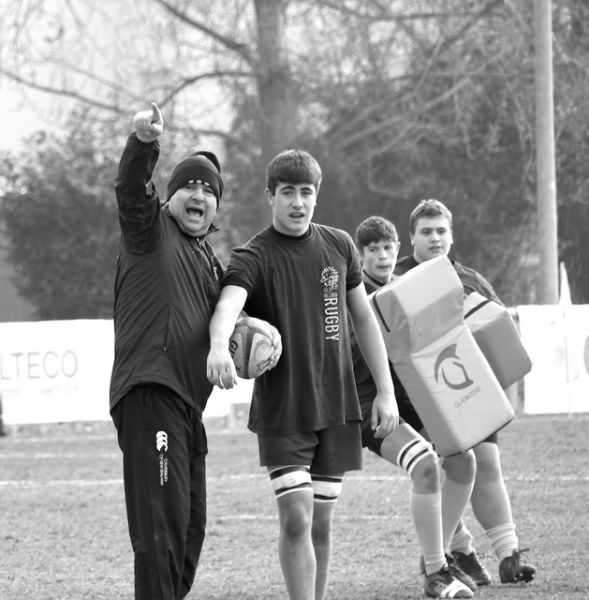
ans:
x=398 y=100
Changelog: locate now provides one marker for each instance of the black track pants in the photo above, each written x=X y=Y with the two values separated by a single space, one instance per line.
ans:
x=164 y=448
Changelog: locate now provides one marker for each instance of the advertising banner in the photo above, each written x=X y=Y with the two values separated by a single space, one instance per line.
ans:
x=53 y=371
x=557 y=340
x=59 y=371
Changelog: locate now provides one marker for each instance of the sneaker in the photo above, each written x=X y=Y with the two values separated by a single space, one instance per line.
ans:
x=470 y=564
x=513 y=568
x=459 y=574
x=443 y=585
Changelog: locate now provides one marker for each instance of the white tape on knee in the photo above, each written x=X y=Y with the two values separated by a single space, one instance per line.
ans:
x=413 y=452
x=290 y=479
x=326 y=488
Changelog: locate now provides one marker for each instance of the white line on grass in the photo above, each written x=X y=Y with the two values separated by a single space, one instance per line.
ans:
x=524 y=478
x=59 y=455
x=57 y=482
x=18 y=438
x=340 y=517
x=61 y=439
x=244 y=476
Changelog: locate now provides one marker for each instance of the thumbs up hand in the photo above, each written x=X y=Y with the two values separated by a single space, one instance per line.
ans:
x=149 y=124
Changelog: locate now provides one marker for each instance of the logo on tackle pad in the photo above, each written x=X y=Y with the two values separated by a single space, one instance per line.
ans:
x=459 y=378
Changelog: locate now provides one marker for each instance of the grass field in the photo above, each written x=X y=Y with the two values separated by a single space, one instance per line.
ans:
x=63 y=531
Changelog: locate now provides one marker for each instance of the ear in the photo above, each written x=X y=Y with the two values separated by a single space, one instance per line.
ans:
x=269 y=196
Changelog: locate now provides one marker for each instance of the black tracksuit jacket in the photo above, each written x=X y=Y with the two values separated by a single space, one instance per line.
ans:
x=166 y=288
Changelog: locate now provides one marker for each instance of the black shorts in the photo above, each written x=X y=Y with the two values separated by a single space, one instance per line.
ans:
x=493 y=438
x=407 y=413
x=330 y=451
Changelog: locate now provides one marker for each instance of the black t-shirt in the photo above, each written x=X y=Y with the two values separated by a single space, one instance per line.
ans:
x=365 y=385
x=299 y=284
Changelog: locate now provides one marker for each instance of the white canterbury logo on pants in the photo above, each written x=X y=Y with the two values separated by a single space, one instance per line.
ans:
x=161 y=441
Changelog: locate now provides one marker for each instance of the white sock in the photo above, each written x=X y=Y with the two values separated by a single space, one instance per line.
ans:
x=462 y=540
x=455 y=497
x=503 y=539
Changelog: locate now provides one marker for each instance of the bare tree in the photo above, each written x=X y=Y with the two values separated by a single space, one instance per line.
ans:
x=397 y=99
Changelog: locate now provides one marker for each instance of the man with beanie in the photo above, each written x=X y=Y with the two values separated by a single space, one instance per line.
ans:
x=166 y=287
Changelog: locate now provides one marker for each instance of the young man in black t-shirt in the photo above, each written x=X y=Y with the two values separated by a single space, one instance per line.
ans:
x=304 y=278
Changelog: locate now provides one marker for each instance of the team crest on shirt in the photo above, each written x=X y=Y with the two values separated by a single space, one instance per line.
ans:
x=330 y=282
x=329 y=279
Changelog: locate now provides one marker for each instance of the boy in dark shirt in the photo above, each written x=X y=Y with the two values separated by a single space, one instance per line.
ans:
x=431 y=236
x=405 y=447
x=303 y=278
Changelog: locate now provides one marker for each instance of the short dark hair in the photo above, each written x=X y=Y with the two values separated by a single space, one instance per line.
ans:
x=429 y=209
x=375 y=229
x=293 y=166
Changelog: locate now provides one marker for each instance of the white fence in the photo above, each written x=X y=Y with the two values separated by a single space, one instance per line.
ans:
x=58 y=371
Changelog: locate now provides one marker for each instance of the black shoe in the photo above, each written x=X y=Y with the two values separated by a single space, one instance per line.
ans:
x=459 y=574
x=470 y=564
x=513 y=569
x=443 y=585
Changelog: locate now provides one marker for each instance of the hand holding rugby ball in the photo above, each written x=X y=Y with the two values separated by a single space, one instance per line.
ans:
x=252 y=349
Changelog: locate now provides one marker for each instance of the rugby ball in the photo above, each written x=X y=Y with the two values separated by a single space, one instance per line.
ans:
x=251 y=351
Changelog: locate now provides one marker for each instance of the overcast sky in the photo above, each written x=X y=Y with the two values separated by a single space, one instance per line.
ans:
x=22 y=114
x=18 y=119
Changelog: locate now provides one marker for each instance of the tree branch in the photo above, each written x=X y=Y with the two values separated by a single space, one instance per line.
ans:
x=227 y=137
x=384 y=13
x=236 y=47
x=449 y=41
x=188 y=81
x=349 y=139
x=73 y=95
x=113 y=108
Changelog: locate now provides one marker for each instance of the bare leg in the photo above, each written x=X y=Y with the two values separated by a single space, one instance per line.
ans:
x=295 y=545
x=322 y=525
x=456 y=491
x=490 y=500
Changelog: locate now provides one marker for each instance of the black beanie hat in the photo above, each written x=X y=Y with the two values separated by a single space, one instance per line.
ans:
x=200 y=166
